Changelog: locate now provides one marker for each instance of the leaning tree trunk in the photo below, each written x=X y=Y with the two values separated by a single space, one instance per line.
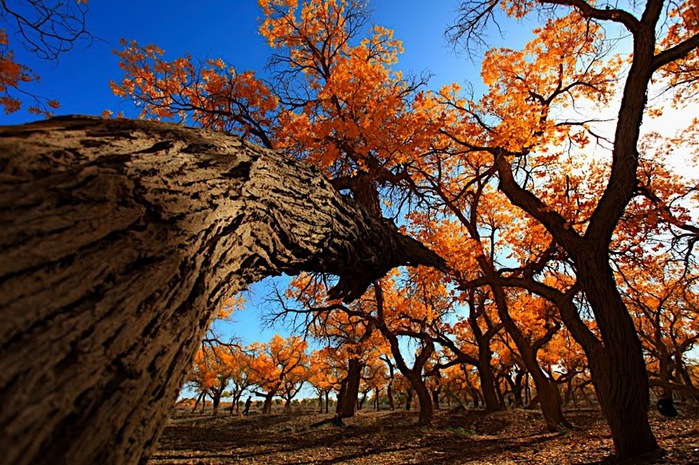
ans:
x=120 y=241
x=546 y=390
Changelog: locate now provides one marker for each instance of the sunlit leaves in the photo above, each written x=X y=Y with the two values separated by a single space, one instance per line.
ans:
x=211 y=93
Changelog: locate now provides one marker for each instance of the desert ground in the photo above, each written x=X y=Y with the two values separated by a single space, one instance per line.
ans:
x=514 y=436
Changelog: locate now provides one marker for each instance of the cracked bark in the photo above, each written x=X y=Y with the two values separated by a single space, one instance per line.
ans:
x=120 y=240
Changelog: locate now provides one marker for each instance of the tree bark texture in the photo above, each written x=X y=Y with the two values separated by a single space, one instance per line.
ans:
x=120 y=240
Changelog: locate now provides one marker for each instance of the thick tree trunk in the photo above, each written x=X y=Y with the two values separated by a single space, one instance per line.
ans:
x=216 y=399
x=618 y=372
x=424 y=398
x=120 y=240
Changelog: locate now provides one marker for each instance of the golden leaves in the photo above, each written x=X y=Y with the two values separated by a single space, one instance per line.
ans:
x=211 y=93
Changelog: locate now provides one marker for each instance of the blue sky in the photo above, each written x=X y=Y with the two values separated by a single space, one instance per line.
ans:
x=224 y=29
x=227 y=29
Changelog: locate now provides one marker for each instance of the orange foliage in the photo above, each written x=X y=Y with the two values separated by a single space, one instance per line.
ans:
x=339 y=104
x=213 y=94
x=278 y=361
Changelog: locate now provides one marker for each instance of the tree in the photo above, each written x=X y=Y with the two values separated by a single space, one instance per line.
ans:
x=279 y=367
x=478 y=329
x=326 y=373
x=333 y=99
x=211 y=373
x=517 y=122
x=121 y=241
x=663 y=300
x=239 y=363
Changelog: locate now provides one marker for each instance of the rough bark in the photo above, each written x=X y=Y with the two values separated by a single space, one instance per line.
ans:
x=120 y=241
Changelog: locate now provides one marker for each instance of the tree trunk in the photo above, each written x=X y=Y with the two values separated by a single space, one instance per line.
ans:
x=485 y=374
x=517 y=388
x=475 y=395
x=267 y=404
x=120 y=241
x=216 y=401
x=618 y=372
x=546 y=390
x=360 y=405
x=347 y=400
x=435 y=398
x=199 y=399
x=408 y=399
x=424 y=398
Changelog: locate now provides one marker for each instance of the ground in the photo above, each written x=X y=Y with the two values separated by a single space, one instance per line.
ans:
x=514 y=436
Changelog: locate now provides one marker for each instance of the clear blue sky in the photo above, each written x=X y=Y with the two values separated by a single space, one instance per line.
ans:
x=227 y=29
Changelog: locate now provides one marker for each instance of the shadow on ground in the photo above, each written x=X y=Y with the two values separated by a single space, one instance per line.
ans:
x=467 y=437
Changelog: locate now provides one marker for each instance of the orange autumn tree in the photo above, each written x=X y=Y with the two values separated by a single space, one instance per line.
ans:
x=519 y=120
x=395 y=310
x=46 y=29
x=348 y=111
x=212 y=371
x=662 y=296
x=353 y=340
x=375 y=378
x=209 y=93
x=326 y=373
x=565 y=363
x=277 y=367
x=332 y=100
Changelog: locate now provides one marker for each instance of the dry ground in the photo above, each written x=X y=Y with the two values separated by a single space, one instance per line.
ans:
x=466 y=437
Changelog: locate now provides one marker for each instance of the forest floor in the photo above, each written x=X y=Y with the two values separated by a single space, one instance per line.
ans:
x=514 y=436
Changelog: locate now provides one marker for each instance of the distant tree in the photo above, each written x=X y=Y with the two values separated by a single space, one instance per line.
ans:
x=212 y=372
x=326 y=372
x=279 y=367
